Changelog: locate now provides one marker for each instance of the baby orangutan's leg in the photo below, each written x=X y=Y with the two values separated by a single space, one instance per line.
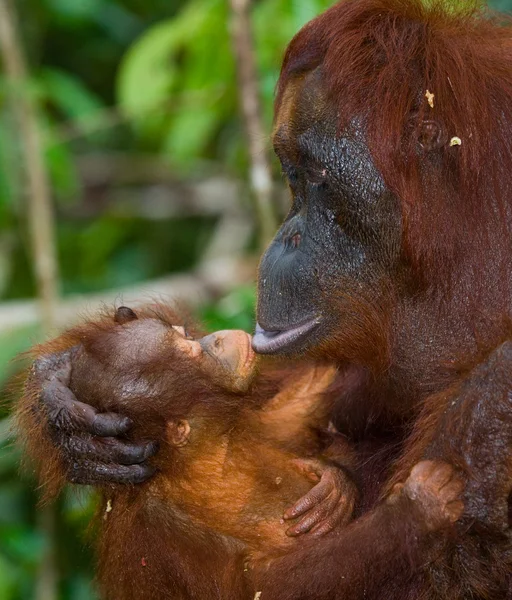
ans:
x=328 y=505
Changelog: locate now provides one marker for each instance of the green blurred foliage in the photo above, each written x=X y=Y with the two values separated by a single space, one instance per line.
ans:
x=177 y=83
x=132 y=77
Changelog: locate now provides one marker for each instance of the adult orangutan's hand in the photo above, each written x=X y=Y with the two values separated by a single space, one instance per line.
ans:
x=89 y=442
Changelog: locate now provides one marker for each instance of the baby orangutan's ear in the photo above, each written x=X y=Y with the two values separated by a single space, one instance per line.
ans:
x=124 y=315
x=178 y=433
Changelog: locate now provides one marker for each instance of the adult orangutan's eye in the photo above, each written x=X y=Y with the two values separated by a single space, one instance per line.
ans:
x=317 y=178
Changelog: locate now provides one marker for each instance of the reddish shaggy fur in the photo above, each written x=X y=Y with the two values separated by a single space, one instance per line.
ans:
x=431 y=357
x=446 y=352
x=378 y=58
x=42 y=453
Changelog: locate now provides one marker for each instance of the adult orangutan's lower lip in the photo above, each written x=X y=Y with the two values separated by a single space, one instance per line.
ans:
x=270 y=342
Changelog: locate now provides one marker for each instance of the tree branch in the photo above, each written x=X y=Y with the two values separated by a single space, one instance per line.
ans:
x=39 y=208
x=261 y=173
x=41 y=227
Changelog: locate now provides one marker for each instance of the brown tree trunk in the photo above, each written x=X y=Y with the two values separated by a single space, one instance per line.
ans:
x=42 y=237
x=261 y=173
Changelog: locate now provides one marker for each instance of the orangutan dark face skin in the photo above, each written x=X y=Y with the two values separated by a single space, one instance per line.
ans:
x=343 y=230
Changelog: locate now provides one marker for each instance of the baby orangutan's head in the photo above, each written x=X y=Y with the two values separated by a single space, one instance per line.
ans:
x=146 y=365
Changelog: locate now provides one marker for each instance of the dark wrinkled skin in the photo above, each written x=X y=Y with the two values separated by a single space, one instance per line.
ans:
x=338 y=258
x=343 y=231
x=355 y=241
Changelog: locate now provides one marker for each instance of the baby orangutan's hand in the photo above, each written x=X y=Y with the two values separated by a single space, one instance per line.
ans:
x=326 y=506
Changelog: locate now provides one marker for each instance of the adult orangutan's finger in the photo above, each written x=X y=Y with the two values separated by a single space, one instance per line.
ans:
x=110 y=424
x=108 y=450
x=65 y=412
x=53 y=367
x=90 y=473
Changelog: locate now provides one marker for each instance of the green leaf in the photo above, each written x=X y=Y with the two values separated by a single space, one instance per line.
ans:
x=70 y=95
x=147 y=71
x=7 y=579
x=234 y=311
x=189 y=133
x=77 y=9
x=10 y=159
x=22 y=544
x=12 y=343
x=59 y=162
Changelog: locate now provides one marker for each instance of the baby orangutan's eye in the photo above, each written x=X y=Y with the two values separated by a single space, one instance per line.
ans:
x=183 y=332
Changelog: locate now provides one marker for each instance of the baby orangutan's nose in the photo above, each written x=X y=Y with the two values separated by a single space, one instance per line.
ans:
x=193 y=349
x=230 y=346
x=190 y=347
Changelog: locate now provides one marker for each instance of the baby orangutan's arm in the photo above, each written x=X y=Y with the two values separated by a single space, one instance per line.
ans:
x=298 y=412
x=392 y=538
x=302 y=405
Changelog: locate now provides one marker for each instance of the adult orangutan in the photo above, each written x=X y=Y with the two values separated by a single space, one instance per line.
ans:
x=212 y=518
x=393 y=123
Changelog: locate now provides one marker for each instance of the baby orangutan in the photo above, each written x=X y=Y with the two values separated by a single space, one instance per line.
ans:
x=242 y=451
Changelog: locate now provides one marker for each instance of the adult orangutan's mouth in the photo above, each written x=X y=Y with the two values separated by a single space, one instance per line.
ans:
x=271 y=342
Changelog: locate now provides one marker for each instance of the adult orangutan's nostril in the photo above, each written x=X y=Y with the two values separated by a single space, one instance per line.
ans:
x=292 y=231
x=295 y=240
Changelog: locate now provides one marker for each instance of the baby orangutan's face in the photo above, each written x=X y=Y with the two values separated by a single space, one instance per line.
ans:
x=226 y=354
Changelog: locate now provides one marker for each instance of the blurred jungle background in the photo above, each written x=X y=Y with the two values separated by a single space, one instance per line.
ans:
x=134 y=163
